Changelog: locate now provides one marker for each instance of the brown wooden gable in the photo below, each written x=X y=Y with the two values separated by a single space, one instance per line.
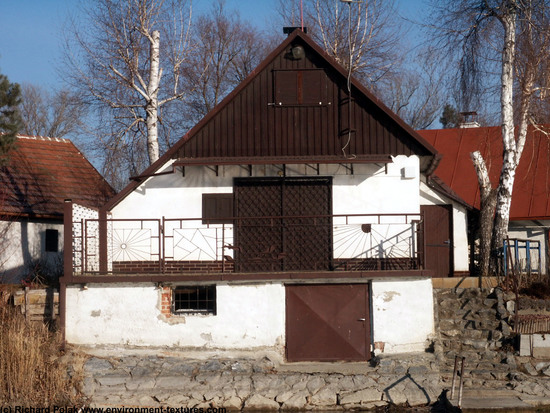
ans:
x=299 y=108
x=250 y=127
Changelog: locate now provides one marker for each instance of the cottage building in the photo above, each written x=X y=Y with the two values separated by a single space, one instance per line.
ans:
x=40 y=174
x=289 y=218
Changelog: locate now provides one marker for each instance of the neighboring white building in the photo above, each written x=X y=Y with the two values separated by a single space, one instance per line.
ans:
x=289 y=218
x=40 y=174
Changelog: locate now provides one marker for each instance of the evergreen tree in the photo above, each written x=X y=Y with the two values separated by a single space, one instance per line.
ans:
x=450 y=118
x=10 y=119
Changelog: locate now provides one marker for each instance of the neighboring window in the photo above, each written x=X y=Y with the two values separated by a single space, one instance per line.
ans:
x=195 y=299
x=52 y=240
x=217 y=208
x=300 y=87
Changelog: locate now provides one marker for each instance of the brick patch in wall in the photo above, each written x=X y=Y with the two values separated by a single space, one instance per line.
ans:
x=166 y=301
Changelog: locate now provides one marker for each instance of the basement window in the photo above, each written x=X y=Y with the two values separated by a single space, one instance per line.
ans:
x=194 y=299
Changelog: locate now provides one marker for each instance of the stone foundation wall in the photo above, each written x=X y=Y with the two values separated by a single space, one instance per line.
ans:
x=474 y=323
x=470 y=323
x=153 y=381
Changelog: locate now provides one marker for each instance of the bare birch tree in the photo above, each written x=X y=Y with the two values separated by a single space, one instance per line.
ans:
x=54 y=114
x=415 y=91
x=126 y=60
x=363 y=36
x=516 y=36
x=367 y=38
x=230 y=49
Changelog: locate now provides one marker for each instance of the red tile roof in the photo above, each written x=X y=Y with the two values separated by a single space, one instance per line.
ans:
x=42 y=172
x=530 y=199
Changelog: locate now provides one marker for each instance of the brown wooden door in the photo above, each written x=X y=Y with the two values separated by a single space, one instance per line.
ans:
x=327 y=322
x=438 y=256
x=300 y=243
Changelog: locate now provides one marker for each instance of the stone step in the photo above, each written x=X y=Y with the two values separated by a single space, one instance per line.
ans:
x=468 y=303
x=471 y=334
x=467 y=345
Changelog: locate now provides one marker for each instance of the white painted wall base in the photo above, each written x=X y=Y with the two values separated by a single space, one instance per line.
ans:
x=248 y=316
x=402 y=314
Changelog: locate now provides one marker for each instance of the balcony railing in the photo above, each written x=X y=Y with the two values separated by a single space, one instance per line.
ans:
x=248 y=244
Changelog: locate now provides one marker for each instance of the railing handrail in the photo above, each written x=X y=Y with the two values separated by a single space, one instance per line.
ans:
x=235 y=218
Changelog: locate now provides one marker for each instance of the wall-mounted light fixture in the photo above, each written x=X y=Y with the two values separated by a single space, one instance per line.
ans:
x=297 y=52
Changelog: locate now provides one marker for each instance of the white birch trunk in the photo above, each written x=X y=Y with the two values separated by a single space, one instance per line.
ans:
x=152 y=105
x=487 y=211
x=510 y=158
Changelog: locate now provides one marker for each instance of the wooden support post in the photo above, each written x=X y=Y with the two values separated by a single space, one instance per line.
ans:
x=103 y=265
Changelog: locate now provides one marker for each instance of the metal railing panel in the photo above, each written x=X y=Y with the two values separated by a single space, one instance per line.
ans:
x=252 y=244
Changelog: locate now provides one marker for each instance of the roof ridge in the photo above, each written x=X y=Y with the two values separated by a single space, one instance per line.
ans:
x=44 y=138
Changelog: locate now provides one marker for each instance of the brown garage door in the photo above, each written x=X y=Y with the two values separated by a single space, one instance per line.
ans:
x=327 y=322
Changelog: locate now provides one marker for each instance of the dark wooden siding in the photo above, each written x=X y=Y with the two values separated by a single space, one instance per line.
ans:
x=251 y=124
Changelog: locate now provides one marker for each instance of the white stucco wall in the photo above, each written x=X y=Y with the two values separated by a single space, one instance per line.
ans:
x=402 y=314
x=22 y=249
x=373 y=188
x=248 y=316
x=460 y=225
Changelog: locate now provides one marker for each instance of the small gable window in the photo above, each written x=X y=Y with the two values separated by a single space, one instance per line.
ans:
x=300 y=87
x=217 y=208
x=51 y=240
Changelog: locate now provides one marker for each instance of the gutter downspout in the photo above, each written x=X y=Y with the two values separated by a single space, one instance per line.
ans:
x=67 y=266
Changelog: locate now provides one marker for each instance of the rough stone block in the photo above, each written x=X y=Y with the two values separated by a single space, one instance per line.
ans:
x=395 y=395
x=416 y=395
x=361 y=381
x=259 y=402
x=95 y=365
x=111 y=380
x=175 y=400
x=233 y=403
x=542 y=365
x=141 y=383
x=296 y=402
x=324 y=397
x=360 y=396
x=315 y=384
x=173 y=382
x=530 y=369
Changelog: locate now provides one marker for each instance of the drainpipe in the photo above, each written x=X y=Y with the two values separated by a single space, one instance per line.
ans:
x=67 y=265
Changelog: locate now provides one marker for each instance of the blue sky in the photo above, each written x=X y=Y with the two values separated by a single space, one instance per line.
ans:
x=30 y=33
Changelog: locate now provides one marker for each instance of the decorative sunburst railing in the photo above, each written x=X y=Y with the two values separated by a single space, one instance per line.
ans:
x=251 y=244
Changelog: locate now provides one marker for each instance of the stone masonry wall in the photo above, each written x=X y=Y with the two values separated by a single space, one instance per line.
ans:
x=258 y=384
x=471 y=323
x=474 y=323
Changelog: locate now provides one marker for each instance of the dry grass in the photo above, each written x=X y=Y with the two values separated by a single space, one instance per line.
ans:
x=32 y=371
